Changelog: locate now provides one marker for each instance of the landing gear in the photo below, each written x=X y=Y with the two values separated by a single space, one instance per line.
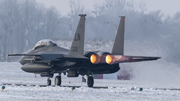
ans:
x=90 y=81
x=57 y=81
x=48 y=82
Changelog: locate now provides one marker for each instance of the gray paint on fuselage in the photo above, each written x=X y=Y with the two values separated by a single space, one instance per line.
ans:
x=63 y=65
x=44 y=50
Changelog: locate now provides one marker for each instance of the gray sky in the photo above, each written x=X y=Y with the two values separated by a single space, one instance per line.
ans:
x=166 y=6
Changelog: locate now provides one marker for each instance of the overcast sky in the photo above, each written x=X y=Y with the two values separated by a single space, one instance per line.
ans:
x=166 y=6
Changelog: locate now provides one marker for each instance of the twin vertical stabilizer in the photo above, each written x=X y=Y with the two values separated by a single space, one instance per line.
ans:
x=77 y=47
x=118 y=47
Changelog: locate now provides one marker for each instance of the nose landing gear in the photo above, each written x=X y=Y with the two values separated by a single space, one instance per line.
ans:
x=48 y=82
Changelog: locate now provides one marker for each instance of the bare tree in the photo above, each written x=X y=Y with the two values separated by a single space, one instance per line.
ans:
x=16 y=15
x=76 y=8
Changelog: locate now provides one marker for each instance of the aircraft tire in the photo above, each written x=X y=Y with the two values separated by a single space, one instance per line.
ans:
x=48 y=82
x=90 y=81
x=57 y=81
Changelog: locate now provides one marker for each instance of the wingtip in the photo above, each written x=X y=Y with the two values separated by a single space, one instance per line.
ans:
x=11 y=54
x=158 y=57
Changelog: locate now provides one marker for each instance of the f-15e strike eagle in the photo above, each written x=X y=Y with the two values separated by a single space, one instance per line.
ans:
x=46 y=58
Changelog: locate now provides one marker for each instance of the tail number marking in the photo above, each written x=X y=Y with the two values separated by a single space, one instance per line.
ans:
x=74 y=49
x=77 y=38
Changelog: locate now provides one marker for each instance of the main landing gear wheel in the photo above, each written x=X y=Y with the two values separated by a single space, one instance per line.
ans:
x=57 y=81
x=48 y=82
x=90 y=81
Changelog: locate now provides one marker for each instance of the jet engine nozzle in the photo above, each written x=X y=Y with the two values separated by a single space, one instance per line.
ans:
x=113 y=59
x=95 y=59
x=110 y=59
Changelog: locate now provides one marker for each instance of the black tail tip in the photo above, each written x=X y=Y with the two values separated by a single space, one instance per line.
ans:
x=122 y=16
x=82 y=15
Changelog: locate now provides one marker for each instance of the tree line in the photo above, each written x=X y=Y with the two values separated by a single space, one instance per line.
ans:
x=152 y=30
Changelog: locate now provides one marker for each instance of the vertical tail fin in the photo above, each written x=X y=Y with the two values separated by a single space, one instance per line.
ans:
x=118 y=47
x=77 y=47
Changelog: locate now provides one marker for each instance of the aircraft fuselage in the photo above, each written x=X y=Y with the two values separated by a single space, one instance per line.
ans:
x=35 y=66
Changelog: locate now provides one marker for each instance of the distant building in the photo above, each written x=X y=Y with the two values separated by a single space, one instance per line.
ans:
x=118 y=77
x=98 y=76
x=126 y=77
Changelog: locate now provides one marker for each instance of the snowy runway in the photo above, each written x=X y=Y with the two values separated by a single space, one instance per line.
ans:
x=85 y=93
x=117 y=90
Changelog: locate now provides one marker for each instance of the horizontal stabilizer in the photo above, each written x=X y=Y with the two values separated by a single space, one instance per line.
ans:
x=115 y=59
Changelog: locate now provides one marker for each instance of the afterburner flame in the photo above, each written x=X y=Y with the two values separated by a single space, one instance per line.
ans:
x=94 y=59
x=110 y=59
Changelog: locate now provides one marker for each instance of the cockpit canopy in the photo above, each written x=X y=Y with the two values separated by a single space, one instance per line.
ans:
x=44 y=42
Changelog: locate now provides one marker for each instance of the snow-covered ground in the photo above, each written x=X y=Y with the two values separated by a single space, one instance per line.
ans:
x=118 y=90
x=86 y=94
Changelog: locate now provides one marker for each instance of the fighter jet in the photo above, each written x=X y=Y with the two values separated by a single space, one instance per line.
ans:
x=47 y=58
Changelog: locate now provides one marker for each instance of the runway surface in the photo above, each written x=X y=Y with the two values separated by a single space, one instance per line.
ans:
x=52 y=85
x=22 y=86
x=95 y=87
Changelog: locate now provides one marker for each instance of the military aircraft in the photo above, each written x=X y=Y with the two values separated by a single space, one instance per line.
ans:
x=46 y=58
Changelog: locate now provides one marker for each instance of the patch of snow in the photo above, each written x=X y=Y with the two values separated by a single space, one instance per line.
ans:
x=118 y=90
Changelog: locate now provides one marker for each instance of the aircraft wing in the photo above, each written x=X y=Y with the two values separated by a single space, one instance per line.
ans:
x=24 y=55
x=52 y=57
x=114 y=59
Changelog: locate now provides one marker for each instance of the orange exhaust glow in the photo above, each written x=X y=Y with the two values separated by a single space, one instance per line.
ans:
x=94 y=59
x=113 y=59
x=110 y=59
